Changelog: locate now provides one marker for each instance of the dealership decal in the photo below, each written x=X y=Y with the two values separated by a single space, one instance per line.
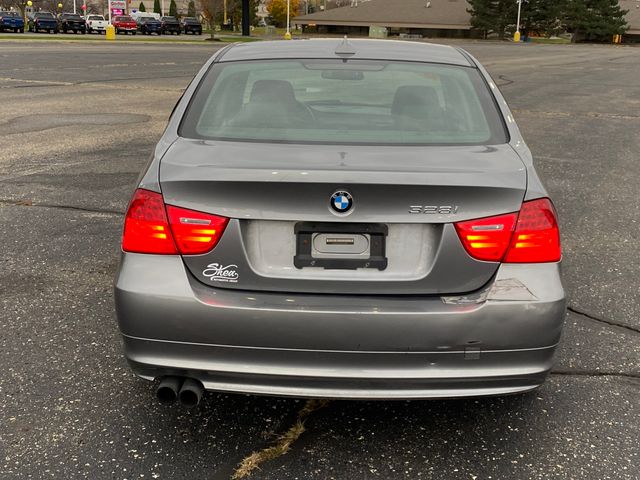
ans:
x=219 y=273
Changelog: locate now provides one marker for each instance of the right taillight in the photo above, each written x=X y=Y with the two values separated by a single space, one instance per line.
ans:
x=537 y=236
x=528 y=236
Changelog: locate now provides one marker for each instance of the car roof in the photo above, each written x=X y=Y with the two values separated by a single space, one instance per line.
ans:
x=364 y=49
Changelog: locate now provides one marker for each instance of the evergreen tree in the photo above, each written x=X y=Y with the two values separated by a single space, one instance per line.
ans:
x=141 y=8
x=191 y=9
x=595 y=19
x=545 y=17
x=173 y=9
x=493 y=16
x=156 y=7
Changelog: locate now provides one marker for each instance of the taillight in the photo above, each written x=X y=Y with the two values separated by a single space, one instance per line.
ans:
x=529 y=236
x=195 y=232
x=153 y=227
x=537 y=236
x=146 y=228
x=487 y=238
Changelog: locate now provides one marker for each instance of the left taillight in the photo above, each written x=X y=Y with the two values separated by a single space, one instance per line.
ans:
x=195 y=232
x=155 y=228
x=146 y=227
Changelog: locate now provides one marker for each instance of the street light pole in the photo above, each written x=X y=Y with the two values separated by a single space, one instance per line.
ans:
x=516 y=36
x=287 y=35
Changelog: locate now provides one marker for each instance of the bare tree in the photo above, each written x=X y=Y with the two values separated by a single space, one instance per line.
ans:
x=211 y=10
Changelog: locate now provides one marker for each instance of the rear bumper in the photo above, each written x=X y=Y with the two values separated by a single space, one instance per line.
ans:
x=497 y=341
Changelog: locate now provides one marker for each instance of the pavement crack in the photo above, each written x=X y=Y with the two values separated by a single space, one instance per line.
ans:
x=505 y=81
x=29 y=203
x=282 y=444
x=602 y=320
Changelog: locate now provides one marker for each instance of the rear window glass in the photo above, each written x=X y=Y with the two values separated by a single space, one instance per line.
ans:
x=44 y=15
x=353 y=102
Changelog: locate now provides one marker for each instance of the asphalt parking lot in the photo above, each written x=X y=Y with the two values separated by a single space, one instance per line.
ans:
x=77 y=124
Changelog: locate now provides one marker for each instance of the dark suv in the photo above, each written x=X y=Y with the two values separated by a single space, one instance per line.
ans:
x=148 y=25
x=43 y=21
x=72 y=22
x=170 y=25
x=191 y=25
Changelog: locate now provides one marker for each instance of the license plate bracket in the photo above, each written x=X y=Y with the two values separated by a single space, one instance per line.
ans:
x=376 y=234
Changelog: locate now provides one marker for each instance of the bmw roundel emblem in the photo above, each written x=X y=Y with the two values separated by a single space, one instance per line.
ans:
x=341 y=202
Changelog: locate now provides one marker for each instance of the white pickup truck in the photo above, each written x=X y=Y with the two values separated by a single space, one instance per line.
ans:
x=96 y=23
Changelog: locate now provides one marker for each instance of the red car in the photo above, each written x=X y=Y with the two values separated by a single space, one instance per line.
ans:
x=125 y=24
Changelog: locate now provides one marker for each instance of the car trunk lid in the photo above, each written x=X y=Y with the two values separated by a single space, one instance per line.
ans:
x=405 y=197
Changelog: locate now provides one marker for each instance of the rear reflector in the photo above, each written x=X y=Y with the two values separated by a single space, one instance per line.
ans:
x=153 y=227
x=146 y=229
x=529 y=236
x=195 y=232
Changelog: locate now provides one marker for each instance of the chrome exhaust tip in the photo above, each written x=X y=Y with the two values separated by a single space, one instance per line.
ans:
x=167 y=391
x=191 y=393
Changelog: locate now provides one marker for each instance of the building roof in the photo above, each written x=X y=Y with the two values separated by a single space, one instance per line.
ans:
x=633 y=17
x=361 y=50
x=445 y=14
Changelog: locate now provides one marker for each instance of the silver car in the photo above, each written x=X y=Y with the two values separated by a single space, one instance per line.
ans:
x=341 y=219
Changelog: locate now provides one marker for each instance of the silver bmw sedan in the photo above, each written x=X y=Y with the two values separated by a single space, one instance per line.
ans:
x=340 y=219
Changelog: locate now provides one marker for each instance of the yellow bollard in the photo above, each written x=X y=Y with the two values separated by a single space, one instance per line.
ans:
x=516 y=37
x=110 y=32
x=287 y=36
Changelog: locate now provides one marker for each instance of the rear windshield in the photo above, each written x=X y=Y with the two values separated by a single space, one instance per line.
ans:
x=352 y=102
x=8 y=14
x=190 y=20
x=95 y=17
x=124 y=19
x=72 y=16
x=44 y=15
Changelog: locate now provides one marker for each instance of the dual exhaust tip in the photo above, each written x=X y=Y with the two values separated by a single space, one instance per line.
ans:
x=187 y=390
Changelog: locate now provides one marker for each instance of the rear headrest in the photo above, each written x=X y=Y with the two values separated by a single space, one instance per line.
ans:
x=415 y=99
x=273 y=91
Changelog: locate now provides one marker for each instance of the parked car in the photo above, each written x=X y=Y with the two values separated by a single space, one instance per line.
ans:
x=170 y=25
x=43 y=22
x=96 y=23
x=125 y=24
x=341 y=219
x=11 y=21
x=148 y=25
x=72 y=22
x=191 y=25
